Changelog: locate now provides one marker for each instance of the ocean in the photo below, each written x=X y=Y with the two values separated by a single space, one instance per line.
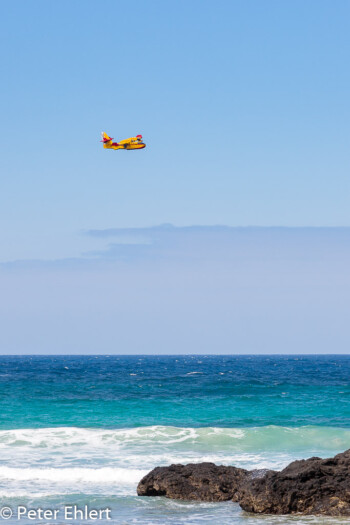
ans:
x=83 y=430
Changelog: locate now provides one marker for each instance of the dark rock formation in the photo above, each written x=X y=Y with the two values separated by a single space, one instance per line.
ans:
x=202 y=482
x=311 y=486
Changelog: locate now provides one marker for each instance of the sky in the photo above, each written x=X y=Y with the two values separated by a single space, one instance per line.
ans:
x=245 y=112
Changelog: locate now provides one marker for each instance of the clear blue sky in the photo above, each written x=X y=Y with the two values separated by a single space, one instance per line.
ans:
x=245 y=109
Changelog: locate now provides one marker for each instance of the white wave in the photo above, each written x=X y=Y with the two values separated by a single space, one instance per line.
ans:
x=146 y=447
x=71 y=460
x=26 y=494
x=40 y=482
x=89 y=475
x=244 y=439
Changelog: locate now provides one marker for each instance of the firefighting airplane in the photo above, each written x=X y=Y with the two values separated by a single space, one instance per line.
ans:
x=131 y=143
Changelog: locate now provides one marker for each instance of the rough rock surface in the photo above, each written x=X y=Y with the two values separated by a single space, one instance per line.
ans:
x=311 y=486
x=202 y=482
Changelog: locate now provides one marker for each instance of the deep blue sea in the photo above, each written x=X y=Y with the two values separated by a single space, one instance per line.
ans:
x=84 y=430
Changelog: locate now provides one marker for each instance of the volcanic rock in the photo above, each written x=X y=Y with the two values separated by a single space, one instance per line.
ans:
x=201 y=482
x=311 y=486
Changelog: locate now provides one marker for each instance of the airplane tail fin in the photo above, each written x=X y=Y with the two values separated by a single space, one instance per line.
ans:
x=105 y=137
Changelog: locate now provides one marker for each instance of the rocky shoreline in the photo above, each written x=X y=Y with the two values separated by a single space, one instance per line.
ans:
x=311 y=486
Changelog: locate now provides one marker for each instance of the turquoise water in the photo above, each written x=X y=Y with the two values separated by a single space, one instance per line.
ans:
x=84 y=430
